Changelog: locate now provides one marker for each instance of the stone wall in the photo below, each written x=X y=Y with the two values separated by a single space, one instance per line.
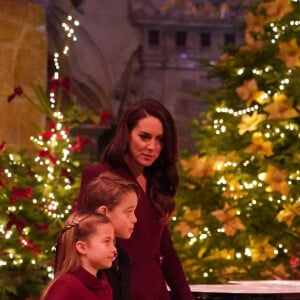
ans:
x=23 y=61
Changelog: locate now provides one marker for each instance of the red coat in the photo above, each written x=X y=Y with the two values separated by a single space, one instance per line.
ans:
x=80 y=285
x=149 y=242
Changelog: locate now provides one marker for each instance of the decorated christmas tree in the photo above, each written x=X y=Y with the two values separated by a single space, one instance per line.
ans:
x=239 y=201
x=37 y=192
x=39 y=188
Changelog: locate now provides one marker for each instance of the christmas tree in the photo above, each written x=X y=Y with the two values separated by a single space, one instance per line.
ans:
x=239 y=212
x=39 y=188
x=37 y=192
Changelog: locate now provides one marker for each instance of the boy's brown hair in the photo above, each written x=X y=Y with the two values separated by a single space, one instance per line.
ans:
x=107 y=189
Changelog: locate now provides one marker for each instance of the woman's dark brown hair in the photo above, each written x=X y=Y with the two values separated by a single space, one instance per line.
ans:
x=162 y=175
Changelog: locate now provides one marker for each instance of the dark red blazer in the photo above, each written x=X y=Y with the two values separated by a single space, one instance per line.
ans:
x=80 y=285
x=154 y=261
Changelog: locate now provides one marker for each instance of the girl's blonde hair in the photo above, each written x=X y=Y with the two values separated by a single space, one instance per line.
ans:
x=78 y=227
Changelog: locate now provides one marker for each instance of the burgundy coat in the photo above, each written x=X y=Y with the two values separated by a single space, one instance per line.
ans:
x=79 y=285
x=154 y=261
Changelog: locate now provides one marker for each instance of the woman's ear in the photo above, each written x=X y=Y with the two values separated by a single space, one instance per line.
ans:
x=81 y=247
x=102 y=209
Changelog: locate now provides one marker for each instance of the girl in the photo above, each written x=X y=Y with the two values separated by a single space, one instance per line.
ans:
x=116 y=197
x=84 y=246
x=144 y=150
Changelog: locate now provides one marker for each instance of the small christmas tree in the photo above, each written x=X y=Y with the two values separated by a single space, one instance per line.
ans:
x=37 y=192
x=239 y=213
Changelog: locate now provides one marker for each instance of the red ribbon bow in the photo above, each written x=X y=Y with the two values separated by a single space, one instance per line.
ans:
x=13 y=220
x=17 y=193
x=64 y=83
x=46 y=153
x=52 y=124
x=66 y=174
x=42 y=227
x=80 y=142
x=104 y=117
x=30 y=246
x=46 y=136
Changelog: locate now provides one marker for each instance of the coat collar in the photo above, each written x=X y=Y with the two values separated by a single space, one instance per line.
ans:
x=89 y=280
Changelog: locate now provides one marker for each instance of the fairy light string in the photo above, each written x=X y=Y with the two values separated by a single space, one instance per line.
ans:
x=54 y=151
x=58 y=130
x=270 y=132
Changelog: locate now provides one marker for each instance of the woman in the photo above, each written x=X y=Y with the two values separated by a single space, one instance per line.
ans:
x=144 y=149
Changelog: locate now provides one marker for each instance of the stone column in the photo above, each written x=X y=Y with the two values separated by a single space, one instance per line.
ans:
x=23 y=61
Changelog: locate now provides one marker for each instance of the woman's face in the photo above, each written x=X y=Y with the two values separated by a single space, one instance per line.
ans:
x=146 y=142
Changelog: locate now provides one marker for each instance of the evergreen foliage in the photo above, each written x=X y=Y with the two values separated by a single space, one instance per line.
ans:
x=37 y=193
x=239 y=202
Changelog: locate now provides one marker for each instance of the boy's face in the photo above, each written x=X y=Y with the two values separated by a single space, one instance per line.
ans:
x=123 y=217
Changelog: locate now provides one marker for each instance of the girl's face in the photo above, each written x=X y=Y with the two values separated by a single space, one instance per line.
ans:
x=98 y=251
x=146 y=142
x=122 y=216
